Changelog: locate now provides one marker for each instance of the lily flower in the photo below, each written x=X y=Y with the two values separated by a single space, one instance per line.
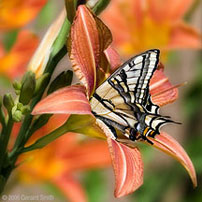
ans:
x=66 y=156
x=23 y=10
x=13 y=63
x=148 y=24
x=88 y=52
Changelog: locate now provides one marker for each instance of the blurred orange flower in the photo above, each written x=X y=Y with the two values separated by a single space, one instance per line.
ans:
x=57 y=162
x=139 y=25
x=13 y=63
x=17 y=13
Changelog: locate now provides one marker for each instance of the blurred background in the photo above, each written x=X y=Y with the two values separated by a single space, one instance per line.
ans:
x=90 y=177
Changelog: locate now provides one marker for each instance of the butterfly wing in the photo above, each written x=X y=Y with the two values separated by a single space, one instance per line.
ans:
x=125 y=94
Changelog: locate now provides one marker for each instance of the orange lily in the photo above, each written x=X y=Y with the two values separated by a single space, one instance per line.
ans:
x=149 y=24
x=86 y=55
x=64 y=157
x=13 y=63
x=23 y=10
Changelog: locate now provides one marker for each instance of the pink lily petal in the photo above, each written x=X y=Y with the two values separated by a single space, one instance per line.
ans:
x=161 y=89
x=183 y=36
x=71 y=188
x=84 y=47
x=113 y=57
x=169 y=145
x=128 y=167
x=68 y=100
x=162 y=10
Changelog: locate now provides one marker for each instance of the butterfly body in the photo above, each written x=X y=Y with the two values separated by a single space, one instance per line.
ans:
x=123 y=101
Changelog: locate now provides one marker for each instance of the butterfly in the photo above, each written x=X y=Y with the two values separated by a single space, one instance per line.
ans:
x=123 y=102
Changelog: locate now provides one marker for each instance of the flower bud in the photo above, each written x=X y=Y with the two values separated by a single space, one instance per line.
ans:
x=17 y=116
x=17 y=86
x=25 y=110
x=28 y=88
x=8 y=102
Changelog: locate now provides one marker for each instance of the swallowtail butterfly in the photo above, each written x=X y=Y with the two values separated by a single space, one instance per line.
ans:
x=123 y=101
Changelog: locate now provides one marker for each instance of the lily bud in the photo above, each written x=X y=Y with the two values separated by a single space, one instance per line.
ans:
x=28 y=88
x=17 y=85
x=8 y=102
x=45 y=50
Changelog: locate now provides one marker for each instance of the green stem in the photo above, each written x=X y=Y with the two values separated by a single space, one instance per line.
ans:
x=46 y=139
x=2 y=119
x=26 y=125
x=5 y=139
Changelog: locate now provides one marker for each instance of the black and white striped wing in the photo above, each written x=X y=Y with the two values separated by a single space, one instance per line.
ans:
x=127 y=87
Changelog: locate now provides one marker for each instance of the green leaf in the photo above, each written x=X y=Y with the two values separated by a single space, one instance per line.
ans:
x=61 y=39
x=62 y=80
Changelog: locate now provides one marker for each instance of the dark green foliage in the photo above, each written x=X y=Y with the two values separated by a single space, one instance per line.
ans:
x=62 y=80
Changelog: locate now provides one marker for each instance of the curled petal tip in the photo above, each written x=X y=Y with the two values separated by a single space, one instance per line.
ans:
x=169 y=145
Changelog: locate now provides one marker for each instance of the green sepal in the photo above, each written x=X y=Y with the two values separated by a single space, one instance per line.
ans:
x=28 y=88
x=71 y=9
x=82 y=124
x=41 y=83
x=2 y=115
x=62 y=80
x=17 y=116
x=25 y=110
x=39 y=122
x=8 y=102
x=98 y=6
x=61 y=39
